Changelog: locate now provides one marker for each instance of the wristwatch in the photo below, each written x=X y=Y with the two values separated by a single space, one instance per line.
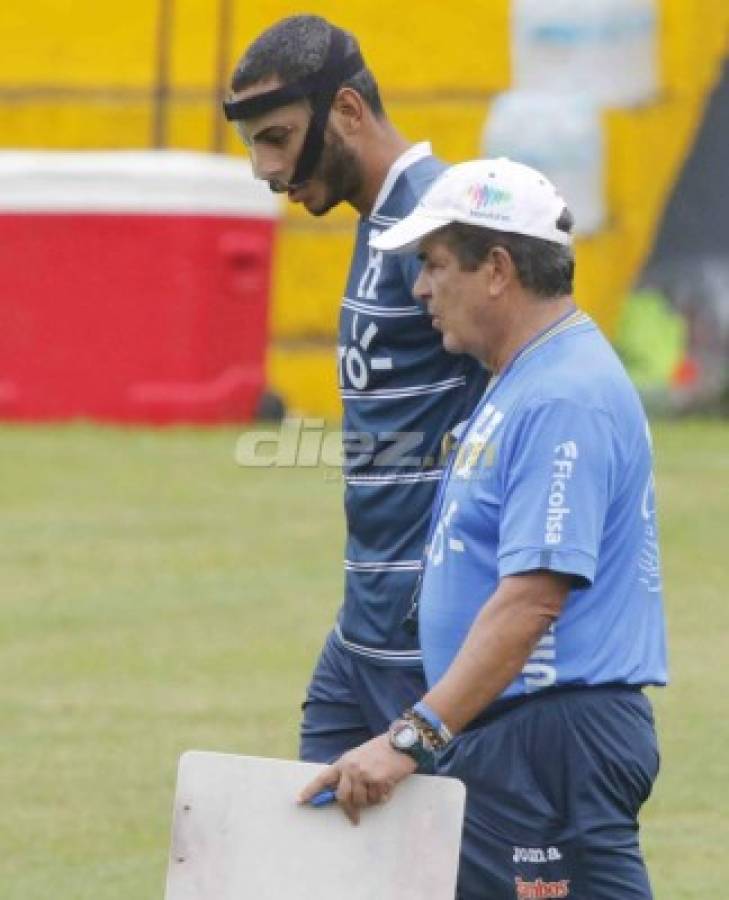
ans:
x=405 y=737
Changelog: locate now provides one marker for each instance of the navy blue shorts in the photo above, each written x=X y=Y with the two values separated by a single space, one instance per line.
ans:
x=351 y=700
x=554 y=786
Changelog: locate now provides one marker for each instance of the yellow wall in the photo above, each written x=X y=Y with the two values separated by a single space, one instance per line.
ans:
x=79 y=73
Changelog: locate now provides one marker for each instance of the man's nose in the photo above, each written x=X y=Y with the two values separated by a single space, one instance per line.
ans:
x=421 y=288
x=266 y=166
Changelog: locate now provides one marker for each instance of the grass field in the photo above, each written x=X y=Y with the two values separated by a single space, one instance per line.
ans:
x=155 y=597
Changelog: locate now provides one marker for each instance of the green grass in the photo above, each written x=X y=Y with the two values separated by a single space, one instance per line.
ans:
x=155 y=597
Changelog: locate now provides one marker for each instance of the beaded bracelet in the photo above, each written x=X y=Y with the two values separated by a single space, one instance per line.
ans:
x=430 y=737
x=433 y=719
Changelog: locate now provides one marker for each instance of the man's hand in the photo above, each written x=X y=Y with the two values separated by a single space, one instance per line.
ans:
x=362 y=777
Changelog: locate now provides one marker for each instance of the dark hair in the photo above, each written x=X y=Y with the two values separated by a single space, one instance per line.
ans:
x=543 y=267
x=294 y=47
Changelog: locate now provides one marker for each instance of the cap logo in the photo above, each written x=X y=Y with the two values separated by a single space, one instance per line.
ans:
x=483 y=195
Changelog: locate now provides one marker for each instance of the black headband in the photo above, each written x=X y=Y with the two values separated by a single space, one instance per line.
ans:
x=319 y=87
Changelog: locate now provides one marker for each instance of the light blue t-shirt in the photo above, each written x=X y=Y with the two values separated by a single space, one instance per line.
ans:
x=553 y=471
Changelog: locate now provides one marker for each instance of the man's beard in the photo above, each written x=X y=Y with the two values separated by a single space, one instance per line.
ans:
x=340 y=172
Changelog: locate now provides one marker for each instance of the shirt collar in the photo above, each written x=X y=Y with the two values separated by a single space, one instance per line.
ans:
x=408 y=158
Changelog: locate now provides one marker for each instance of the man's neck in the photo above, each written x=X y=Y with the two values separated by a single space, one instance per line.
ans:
x=527 y=321
x=378 y=153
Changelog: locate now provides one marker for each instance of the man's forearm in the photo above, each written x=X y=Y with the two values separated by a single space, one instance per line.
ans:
x=498 y=645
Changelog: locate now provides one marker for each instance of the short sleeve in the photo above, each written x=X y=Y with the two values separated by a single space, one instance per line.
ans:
x=556 y=475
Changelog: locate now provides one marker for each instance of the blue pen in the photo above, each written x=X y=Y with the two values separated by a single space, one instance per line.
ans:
x=323 y=798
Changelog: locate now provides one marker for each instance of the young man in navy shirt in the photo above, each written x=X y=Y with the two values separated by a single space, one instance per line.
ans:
x=311 y=114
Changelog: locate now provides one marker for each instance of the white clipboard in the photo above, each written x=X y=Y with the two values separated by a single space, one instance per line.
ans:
x=238 y=834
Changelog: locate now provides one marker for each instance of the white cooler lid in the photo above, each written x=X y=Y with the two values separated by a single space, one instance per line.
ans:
x=161 y=181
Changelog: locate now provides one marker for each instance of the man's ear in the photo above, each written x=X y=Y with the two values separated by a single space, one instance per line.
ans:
x=502 y=270
x=349 y=110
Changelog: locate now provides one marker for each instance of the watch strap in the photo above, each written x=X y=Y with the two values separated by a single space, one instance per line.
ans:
x=420 y=751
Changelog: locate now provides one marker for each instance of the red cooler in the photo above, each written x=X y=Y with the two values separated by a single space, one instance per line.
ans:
x=134 y=286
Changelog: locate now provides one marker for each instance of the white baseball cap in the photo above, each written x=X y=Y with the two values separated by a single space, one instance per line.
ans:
x=492 y=193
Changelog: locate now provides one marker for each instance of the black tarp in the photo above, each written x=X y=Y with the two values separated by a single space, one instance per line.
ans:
x=696 y=220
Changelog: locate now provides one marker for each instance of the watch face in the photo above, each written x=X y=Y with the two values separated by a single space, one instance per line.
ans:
x=405 y=736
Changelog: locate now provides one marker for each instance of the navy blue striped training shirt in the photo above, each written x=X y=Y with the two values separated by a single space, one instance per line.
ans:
x=401 y=393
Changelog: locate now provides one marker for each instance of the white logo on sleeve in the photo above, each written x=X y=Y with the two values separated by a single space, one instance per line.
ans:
x=557 y=509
